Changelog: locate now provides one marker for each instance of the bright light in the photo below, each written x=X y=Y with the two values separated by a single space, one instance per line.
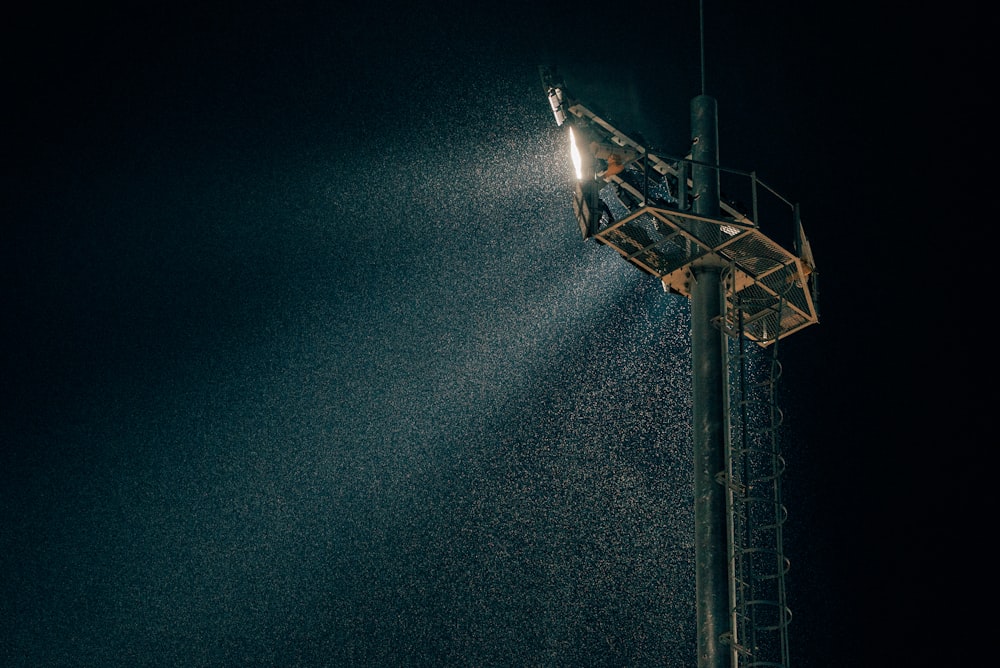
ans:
x=575 y=153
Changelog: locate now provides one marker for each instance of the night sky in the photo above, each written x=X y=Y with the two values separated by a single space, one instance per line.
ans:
x=305 y=362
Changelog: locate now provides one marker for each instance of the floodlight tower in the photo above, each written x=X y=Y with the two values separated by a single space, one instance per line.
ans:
x=667 y=216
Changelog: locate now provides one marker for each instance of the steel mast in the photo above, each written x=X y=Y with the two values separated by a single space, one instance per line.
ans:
x=667 y=216
x=709 y=370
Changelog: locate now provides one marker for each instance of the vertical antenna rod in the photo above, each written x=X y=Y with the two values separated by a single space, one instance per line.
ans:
x=701 y=33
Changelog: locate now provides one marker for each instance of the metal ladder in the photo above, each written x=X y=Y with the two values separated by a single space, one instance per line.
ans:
x=755 y=513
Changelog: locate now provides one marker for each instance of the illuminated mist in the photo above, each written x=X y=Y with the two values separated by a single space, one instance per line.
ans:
x=303 y=398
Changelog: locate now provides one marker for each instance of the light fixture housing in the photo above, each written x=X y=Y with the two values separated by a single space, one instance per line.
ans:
x=556 y=102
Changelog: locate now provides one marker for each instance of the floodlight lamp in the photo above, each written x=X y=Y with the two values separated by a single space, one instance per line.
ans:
x=574 y=152
x=556 y=102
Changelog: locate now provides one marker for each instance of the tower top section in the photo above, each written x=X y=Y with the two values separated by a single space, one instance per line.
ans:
x=640 y=202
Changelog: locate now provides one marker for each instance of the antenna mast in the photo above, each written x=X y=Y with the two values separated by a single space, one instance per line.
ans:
x=666 y=216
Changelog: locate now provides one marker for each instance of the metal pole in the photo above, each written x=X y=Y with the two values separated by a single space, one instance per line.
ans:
x=709 y=420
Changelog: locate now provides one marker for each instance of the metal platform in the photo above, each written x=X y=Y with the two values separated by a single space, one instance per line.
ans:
x=639 y=201
x=768 y=286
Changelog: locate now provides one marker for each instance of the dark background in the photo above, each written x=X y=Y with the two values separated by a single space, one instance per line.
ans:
x=305 y=364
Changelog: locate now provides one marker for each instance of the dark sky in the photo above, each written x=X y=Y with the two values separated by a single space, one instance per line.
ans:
x=305 y=363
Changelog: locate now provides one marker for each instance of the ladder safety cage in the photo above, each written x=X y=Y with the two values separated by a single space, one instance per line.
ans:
x=756 y=513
